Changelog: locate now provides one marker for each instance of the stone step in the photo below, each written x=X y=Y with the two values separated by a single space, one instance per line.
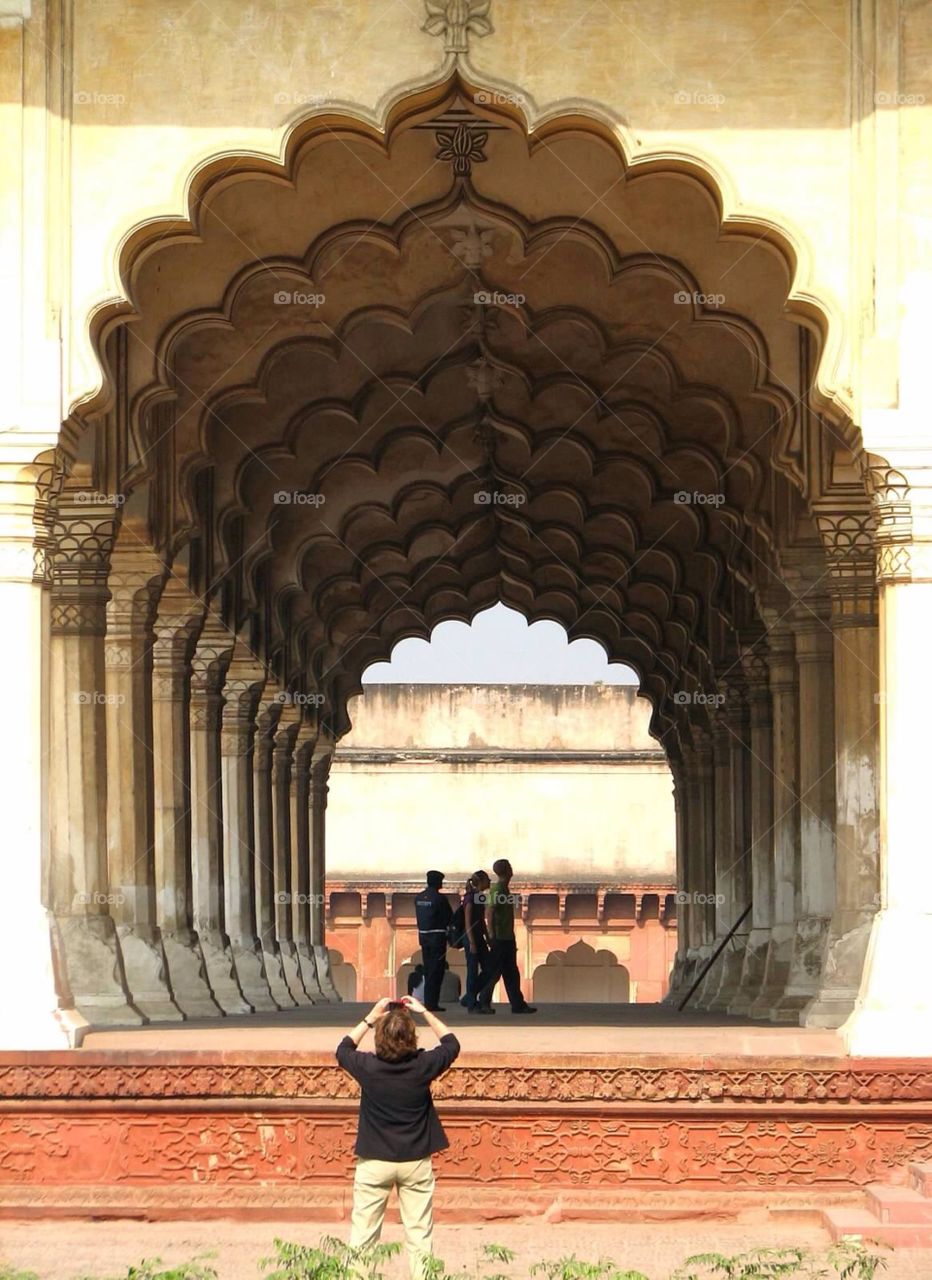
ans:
x=920 y=1178
x=898 y=1204
x=867 y=1226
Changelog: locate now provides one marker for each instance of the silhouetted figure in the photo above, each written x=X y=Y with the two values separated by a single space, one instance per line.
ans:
x=503 y=949
x=476 y=939
x=433 y=913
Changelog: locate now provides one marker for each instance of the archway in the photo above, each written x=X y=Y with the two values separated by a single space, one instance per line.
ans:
x=580 y=974
x=391 y=382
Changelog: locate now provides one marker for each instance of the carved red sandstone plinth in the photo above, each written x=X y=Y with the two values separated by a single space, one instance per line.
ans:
x=272 y=1132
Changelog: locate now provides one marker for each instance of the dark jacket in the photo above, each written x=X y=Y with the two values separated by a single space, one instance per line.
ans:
x=433 y=911
x=397 y=1120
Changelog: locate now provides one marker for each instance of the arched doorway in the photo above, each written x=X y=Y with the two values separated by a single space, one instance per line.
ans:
x=341 y=424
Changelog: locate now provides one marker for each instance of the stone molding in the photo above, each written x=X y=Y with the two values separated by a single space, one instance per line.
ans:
x=210 y=1076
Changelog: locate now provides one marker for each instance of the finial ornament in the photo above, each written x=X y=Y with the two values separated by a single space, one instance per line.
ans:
x=456 y=20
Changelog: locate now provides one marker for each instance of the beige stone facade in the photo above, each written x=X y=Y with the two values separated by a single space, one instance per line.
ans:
x=565 y=781
x=325 y=323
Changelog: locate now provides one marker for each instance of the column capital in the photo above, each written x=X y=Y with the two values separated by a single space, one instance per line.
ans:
x=134 y=582
x=755 y=662
x=850 y=552
x=79 y=547
x=900 y=484
x=242 y=689
x=178 y=620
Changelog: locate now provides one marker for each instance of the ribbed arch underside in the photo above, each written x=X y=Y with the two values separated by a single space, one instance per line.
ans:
x=376 y=393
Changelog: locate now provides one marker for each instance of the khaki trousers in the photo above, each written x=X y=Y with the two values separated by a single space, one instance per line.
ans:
x=372 y=1186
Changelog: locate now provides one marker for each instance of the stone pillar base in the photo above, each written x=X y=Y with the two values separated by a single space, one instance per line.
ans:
x=776 y=975
x=806 y=968
x=291 y=968
x=732 y=963
x=702 y=956
x=307 y=964
x=892 y=1017
x=753 y=972
x=676 y=981
x=187 y=975
x=840 y=983
x=251 y=977
x=275 y=976
x=221 y=974
x=322 y=956
x=145 y=967
x=90 y=954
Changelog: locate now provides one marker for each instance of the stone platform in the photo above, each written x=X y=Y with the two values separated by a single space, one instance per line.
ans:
x=540 y=1119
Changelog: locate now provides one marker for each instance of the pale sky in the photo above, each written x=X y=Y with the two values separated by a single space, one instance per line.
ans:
x=499 y=648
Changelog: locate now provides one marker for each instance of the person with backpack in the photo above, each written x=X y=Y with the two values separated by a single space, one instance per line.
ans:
x=503 y=949
x=434 y=913
x=475 y=939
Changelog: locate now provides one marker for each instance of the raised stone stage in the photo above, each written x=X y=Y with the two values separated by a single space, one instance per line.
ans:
x=584 y=1112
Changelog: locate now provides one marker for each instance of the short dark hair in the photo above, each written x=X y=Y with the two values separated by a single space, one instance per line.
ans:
x=435 y=878
x=500 y=866
x=395 y=1035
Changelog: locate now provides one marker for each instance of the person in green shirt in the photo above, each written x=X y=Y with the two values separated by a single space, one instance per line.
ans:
x=503 y=950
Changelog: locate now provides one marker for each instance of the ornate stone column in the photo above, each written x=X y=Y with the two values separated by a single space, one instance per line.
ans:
x=78 y=873
x=687 y=916
x=286 y=733
x=244 y=684
x=674 y=991
x=723 y=852
x=814 y=658
x=208 y=670
x=784 y=687
x=135 y=581
x=849 y=541
x=893 y=1013
x=178 y=620
x=735 y=881
x=320 y=773
x=757 y=673
x=263 y=817
x=302 y=900
x=32 y=1014
x=705 y=777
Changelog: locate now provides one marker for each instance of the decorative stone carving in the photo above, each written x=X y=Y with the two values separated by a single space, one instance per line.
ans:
x=456 y=21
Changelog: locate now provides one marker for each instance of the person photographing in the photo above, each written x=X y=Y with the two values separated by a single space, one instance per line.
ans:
x=399 y=1129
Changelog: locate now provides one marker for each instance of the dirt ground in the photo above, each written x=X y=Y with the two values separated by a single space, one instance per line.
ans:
x=66 y=1250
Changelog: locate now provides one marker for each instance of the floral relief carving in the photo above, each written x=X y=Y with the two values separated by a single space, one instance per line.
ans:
x=456 y=20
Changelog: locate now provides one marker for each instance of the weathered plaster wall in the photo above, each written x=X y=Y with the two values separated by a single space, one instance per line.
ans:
x=595 y=819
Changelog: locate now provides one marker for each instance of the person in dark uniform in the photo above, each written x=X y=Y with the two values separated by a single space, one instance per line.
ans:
x=434 y=913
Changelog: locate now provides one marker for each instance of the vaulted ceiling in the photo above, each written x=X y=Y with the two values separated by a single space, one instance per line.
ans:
x=395 y=380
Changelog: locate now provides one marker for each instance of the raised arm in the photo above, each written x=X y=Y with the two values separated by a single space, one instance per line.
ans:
x=440 y=1029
